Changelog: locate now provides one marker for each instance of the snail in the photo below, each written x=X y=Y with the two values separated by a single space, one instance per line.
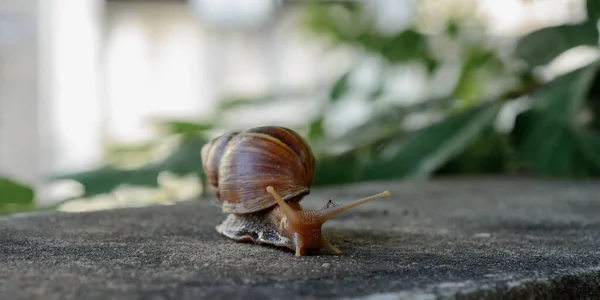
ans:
x=260 y=175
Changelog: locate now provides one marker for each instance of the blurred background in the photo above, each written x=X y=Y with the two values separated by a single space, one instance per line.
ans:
x=106 y=103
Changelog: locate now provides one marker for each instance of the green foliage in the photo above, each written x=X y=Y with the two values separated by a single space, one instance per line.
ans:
x=547 y=136
x=415 y=155
x=490 y=153
x=339 y=88
x=350 y=23
x=232 y=102
x=395 y=49
x=558 y=135
x=542 y=46
x=185 y=159
x=555 y=148
x=550 y=136
x=593 y=10
x=469 y=87
x=186 y=128
x=15 y=196
x=387 y=122
x=419 y=154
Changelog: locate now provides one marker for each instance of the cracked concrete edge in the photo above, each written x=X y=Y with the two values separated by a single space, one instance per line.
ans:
x=486 y=289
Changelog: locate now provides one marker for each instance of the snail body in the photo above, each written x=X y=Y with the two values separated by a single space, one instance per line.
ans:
x=260 y=175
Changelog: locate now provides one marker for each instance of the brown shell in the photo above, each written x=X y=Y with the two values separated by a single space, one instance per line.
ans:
x=253 y=159
x=211 y=158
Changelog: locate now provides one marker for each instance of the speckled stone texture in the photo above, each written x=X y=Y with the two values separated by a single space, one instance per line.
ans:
x=486 y=238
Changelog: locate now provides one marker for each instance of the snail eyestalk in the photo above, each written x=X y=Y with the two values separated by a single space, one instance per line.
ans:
x=328 y=213
x=287 y=210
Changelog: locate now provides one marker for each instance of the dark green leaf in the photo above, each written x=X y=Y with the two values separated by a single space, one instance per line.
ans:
x=453 y=28
x=554 y=147
x=487 y=155
x=339 y=88
x=549 y=137
x=404 y=46
x=431 y=64
x=370 y=41
x=564 y=97
x=593 y=105
x=14 y=192
x=337 y=169
x=593 y=10
x=542 y=46
x=590 y=144
x=421 y=153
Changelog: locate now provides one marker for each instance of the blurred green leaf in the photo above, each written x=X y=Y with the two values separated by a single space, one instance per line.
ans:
x=184 y=160
x=353 y=24
x=542 y=46
x=415 y=155
x=453 y=27
x=554 y=147
x=431 y=64
x=593 y=105
x=316 y=130
x=317 y=20
x=549 y=136
x=469 y=87
x=388 y=122
x=421 y=153
x=106 y=179
x=141 y=147
x=236 y=102
x=488 y=154
x=338 y=169
x=268 y=97
x=14 y=192
x=593 y=10
x=565 y=96
x=184 y=127
x=339 y=87
x=405 y=46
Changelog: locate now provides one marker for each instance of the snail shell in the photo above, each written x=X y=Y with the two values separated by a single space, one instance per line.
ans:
x=240 y=166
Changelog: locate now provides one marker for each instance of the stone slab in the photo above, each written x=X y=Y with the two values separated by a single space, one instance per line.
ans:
x=486 y=238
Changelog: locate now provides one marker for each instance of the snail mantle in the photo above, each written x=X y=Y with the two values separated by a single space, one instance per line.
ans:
x=493 y=238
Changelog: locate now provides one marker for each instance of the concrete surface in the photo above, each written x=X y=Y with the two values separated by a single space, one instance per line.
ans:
x=462 y=239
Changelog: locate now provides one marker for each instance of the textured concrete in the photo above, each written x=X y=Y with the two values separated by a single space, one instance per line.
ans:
x=464 y=239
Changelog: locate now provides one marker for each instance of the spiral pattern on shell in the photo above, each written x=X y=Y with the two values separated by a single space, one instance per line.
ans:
x=240 y=165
